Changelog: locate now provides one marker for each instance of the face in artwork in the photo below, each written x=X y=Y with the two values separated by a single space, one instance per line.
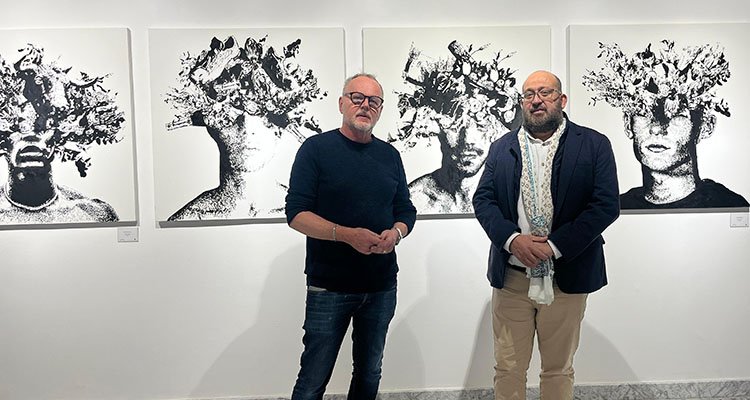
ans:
x=665 y=145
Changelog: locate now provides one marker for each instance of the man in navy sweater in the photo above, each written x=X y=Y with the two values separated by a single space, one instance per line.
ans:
x=348 y=195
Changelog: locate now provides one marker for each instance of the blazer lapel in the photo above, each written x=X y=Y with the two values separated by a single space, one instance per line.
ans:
x=512 y=186
x=571 y=150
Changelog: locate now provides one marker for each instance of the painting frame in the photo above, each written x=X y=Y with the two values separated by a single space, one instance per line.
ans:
x=484 y=68
x=676 y=56
x=75 y=84
x=188 y=162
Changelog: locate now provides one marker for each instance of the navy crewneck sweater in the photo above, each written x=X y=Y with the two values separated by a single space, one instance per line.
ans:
x=358 y=185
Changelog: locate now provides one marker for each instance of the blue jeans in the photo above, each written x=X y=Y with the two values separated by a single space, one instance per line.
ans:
x=327 y=316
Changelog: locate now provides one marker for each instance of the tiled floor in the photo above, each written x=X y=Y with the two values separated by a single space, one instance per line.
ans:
x=714 y=390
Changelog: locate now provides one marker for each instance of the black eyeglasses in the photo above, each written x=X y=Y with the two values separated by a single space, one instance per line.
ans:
x=544 y=94
x=358 y=98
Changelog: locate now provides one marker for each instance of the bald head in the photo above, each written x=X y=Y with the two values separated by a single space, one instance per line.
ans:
x=549 y=80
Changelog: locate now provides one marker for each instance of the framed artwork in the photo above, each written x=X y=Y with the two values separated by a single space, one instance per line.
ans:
x=66 y=131
x=230 y=108
x=449 y=93
x=669 y=97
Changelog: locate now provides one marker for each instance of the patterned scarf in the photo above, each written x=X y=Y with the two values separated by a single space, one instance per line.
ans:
x=536 y=192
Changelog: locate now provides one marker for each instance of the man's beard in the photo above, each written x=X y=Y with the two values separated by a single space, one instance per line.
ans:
x=363 y=126
x=547 y=123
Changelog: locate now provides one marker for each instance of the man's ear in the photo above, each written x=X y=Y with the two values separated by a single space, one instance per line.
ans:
x=341 y=104
x=628 y=121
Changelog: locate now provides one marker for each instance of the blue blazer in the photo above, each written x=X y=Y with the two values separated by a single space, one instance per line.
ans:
x=585 y=197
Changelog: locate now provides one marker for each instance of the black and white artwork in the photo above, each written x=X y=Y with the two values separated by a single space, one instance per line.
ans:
x=675 y=92
x=65 y=131
x=256 y=95
x=449 y=94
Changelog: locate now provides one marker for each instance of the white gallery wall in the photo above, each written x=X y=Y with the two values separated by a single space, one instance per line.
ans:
x=216 y=311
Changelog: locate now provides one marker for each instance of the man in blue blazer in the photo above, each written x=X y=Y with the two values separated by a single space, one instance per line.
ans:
x=548 y=191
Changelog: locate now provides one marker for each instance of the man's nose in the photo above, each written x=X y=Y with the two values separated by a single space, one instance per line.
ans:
x=657 y=129
x=536 y=102
x=365 y=101
x=470 y=137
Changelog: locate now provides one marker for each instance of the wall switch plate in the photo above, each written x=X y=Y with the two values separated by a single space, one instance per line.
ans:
x=127 y=234
x=739 y=220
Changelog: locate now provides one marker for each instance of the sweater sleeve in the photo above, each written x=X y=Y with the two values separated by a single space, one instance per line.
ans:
x=303 y=181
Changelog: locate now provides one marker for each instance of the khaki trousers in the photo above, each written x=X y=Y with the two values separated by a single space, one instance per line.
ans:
x=515 y=320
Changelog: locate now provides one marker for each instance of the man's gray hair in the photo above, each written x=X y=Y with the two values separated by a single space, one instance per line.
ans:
x=361 y=74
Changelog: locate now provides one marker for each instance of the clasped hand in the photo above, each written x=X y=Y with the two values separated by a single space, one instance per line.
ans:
x=366 y=241
x=531 y=250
